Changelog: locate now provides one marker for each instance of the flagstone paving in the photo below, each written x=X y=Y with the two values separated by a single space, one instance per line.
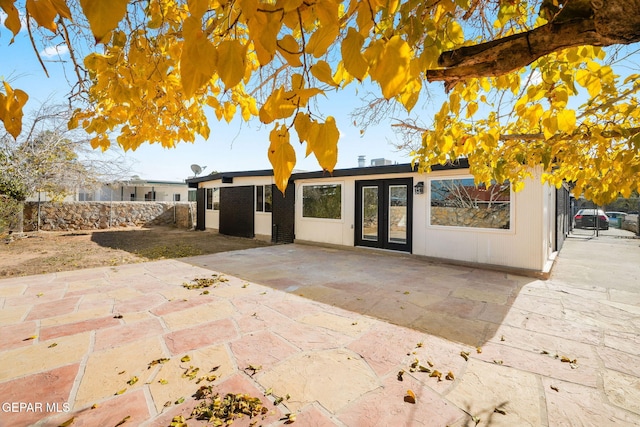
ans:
x=337 y=338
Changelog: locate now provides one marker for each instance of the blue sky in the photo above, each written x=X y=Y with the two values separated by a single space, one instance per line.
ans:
x=231 y=147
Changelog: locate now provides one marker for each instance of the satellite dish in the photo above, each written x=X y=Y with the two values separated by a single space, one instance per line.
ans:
x=197 y=169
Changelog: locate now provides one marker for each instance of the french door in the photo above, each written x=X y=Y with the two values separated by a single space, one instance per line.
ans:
x=383 y=213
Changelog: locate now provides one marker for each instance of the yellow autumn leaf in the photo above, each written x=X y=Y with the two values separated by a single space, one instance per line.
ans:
x=409 y=97
x=12 y=20
x=43 y=12
x=281 y=155
x=590 y=81
x=68 y=422
x=277 y=106
x=549 y=126
x=197 y=64
x=324 y=144
x=594 y=87
x=566 y=120
x=103 y=16
x=410 y=397
x=248 y=7
x=392 y=66
x=298 y=81
x=321 y=39
x=351 y=49
x=229 y=111
x=301 y=96
x=327 y=12
x=231 y=62
x=264 y=29
x=302 y=124
x=290 y=50
x=197 y=8
x=249 y=108
x=472 y=107
x=321 y=70
x=11 y=104
x=455 y=35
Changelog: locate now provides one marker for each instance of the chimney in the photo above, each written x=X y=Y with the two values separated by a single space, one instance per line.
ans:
x=361 y=161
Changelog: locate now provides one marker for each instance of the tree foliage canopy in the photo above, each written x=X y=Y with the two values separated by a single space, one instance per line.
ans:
x=48 y=157
x=528 y=83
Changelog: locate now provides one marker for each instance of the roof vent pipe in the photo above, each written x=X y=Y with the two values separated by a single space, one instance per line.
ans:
x=361 y=161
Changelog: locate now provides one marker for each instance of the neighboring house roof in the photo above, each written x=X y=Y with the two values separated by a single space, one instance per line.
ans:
x=367 y=170
x=140 y=182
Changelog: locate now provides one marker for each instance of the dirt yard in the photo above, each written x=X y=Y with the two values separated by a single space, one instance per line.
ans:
x=48 y=252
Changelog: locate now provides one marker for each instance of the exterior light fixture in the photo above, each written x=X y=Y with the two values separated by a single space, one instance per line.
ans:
x=419 y=188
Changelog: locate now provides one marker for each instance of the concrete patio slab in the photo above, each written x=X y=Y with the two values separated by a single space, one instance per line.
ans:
x=339 y=346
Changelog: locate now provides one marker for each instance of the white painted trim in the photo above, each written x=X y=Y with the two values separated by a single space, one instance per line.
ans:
x=498 y=231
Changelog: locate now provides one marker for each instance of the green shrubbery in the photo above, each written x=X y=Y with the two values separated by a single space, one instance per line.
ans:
x=10 y=215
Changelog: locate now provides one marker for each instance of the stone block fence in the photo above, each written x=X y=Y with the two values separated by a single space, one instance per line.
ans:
x=60 y=216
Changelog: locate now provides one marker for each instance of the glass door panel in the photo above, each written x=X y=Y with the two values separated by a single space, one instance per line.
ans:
x=370 y=217
x=397 y=223
x=383 y=213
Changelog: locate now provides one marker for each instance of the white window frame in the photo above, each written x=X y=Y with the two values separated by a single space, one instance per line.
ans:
x=323 y=184
x=511 y=202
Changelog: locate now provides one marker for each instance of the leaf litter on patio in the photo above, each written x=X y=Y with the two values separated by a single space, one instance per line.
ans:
x=205 y=282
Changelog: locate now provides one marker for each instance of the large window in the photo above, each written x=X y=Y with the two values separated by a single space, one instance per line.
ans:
x=263 y=198
x=460 y=203
x=213 y=199
x=322 y=201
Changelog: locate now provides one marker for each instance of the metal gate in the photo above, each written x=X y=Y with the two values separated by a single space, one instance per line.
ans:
x=618 y=219
x=563 y=216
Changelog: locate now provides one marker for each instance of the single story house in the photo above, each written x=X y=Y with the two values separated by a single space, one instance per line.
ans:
x=440 y=215
x=134 y=189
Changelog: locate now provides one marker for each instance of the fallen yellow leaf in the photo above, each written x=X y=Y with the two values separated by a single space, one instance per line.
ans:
x=410 y=397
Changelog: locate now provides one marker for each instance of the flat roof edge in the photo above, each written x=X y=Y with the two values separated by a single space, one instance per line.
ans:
x=358 y=171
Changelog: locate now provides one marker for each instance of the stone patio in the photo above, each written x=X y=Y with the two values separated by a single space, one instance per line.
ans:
x=329 y=333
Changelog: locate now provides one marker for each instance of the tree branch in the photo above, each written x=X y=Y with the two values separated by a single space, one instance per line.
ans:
x=612 y=22
x=624 y=133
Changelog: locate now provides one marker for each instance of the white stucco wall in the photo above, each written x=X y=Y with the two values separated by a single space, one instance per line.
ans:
x=334 y=231
x=522 y=246
x=527 y=244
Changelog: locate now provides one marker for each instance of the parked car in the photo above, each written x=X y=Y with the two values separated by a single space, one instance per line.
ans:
x=616 y=218
x=589 y=218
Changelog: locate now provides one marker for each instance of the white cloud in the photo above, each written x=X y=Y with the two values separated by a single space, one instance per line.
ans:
x=54 y=51
x=535 y=78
